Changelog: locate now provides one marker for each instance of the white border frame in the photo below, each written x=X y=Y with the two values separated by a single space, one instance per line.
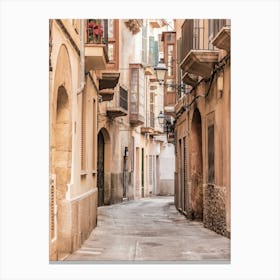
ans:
x=254 y=130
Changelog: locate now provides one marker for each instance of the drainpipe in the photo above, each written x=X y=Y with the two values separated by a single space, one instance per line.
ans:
x=79 y=90
x=82 y=57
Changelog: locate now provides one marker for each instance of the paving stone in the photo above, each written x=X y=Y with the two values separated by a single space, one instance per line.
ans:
x=150 y=229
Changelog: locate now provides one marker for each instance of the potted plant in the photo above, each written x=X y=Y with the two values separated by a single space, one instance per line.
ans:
x=94 y=31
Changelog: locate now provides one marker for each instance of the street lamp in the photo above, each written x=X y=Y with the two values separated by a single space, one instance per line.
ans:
x=161 y=70
x=161 y=119
x=166 y=123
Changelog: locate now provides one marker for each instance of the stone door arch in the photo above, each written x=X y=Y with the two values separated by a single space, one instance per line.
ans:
x=104 y=167
x=61 y=149
x=196 y=166
x=63 y=140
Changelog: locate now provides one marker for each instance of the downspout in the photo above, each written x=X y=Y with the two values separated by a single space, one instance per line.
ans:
x=82 y=57
x=79 y=90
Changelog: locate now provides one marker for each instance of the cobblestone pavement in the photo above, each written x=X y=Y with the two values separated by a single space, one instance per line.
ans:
x=150 y=229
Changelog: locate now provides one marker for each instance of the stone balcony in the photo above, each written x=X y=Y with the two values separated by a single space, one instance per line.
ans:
x=199 y=62
x=136 y=119
x=222 y=39
x=96 y=57
x=118 y=106
x=189 y=79
x=145 y=130
x=107 y=82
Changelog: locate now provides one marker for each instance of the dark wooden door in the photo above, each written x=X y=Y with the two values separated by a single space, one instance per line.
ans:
x=100 y=169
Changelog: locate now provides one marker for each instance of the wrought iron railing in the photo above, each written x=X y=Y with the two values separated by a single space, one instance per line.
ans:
x=194 y=33
x=123 y=98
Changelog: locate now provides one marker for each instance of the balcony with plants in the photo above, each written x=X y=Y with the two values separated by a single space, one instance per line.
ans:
x=96 y=44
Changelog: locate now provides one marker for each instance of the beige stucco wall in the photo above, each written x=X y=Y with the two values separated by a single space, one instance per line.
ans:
x=76 y=208
x=214 y=108
x=217 y=107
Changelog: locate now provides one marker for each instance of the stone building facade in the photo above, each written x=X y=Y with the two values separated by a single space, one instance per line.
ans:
x=73 y=134
x=126 y=119
x=202 y=125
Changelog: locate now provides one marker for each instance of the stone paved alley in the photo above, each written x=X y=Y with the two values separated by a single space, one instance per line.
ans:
x=150 y=229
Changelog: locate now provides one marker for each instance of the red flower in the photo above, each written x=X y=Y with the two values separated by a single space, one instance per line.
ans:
x=90 y=24
x=97 y=29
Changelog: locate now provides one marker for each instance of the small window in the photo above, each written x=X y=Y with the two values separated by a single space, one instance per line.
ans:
x=170 y=50
x=170 y=37
x=111 y=52
x=111 y=28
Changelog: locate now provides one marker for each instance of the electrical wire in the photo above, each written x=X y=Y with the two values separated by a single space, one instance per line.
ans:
x=217 y=67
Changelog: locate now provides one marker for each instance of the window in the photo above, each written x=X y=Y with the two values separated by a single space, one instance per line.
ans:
x=214 y=26
x=144 y=44
x=170 y=60
x=111 y=29
x=210 y=33
x=123 y=98
x=111 y=52
x=170 y=37
x=113 y=43
x=134 y=90
x=196 y=34
x=137 y=94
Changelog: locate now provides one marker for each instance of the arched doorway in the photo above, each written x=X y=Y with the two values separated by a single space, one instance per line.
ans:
x=62 y=165
x=103 y=168
x=100 y=169
x=62 y=143
x=60 y=155
x=196 y=166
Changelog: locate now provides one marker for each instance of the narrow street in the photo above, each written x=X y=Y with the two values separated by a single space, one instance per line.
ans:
x=150 y=229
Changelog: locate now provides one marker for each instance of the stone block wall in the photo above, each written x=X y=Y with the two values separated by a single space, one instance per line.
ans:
x=77 y=219
x=84 y=219
x=214 y=215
